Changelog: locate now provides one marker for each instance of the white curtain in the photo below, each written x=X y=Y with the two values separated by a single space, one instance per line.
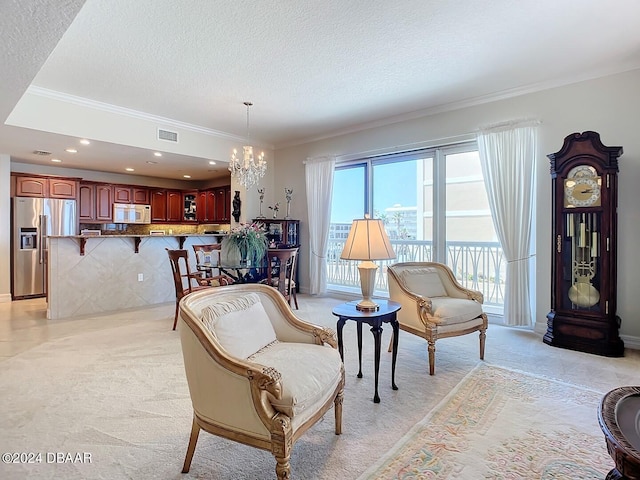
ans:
x=508 y=158
x=319 y=179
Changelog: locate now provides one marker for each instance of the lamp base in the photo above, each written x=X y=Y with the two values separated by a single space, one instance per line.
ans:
x=367 y=306
x=367 y=271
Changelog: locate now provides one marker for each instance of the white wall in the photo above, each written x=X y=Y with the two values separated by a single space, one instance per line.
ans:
x=5 y=229
x=609 y=105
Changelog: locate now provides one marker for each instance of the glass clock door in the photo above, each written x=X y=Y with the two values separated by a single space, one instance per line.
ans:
x=581 y=244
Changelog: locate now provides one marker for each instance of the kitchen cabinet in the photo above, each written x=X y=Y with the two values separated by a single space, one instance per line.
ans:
x=95 y=202
x=86 y=202
x=166 y=206
x=122 y=194
x=32 y=187
x=158 y=205
x=222 y=204
x=62 y=188
x=174 y=206
x=213 y=205
x=130 y=194
x=206 y=208
x=104 y=202
x=140 y=195
x=45 y=187
x=190 y=207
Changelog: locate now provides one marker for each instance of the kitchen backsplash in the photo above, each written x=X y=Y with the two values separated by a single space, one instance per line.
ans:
x=169 y=229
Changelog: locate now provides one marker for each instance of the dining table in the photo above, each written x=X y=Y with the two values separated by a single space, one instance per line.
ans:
x=240 y=272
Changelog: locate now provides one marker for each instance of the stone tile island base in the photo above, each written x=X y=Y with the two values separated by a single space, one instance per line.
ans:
x=106 y=277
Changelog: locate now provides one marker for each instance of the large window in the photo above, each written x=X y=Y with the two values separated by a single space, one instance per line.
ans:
x=434 y=206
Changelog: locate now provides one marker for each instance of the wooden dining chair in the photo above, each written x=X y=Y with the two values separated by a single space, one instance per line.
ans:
x=213 y=251
x=281 y=272
x=211 y=266
x=182 y=274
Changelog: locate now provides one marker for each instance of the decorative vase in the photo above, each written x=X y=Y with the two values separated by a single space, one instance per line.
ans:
x=244 y=253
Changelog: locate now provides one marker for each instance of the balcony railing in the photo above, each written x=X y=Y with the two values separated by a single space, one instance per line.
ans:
x=477 y=265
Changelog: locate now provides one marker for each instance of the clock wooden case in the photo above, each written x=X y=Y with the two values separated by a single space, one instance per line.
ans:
x=583 y=316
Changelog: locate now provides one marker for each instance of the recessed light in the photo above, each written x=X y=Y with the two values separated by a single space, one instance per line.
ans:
x=186 y=176
x=84 y=141
x=157 y=154
x=212 y=162
x=151 y=162
x=57 y=160
x=71 y=150
x=129 y=169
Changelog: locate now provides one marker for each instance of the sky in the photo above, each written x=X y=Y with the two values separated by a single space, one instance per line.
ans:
x=393 y=183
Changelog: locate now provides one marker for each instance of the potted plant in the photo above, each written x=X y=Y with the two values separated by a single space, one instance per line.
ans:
x=247 y=241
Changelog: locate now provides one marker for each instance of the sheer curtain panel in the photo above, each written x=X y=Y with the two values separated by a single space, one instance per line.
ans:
x=319 y=180
x=508 y=157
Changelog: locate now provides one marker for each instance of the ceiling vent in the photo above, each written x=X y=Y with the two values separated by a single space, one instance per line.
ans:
x=167 y=135
x=41 y=152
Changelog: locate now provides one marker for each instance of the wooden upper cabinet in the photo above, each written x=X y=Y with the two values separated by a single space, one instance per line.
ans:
x=223 y=204
x=206 y=206
x=140 y=195
x=158 y=205
x=32 y=187
x=49 y=187
x=130 y=194
x=121 y=194
x=62 y=188
x=104 y=202
x=87 y=202
x=175 y=208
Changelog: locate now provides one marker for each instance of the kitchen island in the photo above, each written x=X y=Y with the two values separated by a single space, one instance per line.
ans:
x=88 y=275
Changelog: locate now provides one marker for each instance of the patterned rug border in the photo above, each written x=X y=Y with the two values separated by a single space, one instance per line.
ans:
x=481 y=365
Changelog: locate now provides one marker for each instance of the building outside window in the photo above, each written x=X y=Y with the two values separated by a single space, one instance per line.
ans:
x=434 y=206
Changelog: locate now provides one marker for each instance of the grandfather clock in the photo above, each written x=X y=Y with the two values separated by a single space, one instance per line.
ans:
x=583 y=316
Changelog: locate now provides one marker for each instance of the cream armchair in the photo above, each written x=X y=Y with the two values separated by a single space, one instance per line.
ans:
x=434 y=304
x=257 y=374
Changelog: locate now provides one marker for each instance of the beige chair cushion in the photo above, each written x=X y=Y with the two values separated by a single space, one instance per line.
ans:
x=240 y=324
x=423 y=281
x=450 y=311
x=309 y=372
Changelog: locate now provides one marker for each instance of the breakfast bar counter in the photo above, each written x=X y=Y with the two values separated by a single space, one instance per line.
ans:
x=88 y=275
x=137 y=239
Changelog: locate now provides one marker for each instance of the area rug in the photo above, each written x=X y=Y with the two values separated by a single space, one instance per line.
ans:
x=502 y=424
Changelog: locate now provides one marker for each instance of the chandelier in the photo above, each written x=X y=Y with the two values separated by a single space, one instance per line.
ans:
x=247 y=169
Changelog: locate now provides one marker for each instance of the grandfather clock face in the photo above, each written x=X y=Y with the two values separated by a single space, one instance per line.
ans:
x=582 y=187
x=581 y=239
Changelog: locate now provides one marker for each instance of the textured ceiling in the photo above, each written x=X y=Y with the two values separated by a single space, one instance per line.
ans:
x=311 y=68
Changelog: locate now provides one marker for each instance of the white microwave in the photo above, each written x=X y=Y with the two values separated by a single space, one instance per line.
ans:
x=130 y=213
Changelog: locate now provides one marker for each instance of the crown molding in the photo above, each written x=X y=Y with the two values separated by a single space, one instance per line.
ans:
x=162 y=122
x=466 y=103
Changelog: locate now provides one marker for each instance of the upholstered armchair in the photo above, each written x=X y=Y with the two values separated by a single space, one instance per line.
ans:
x=257 y=374
x=434 y=304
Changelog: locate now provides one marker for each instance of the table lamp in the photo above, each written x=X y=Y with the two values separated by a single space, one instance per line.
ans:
x=367 y=241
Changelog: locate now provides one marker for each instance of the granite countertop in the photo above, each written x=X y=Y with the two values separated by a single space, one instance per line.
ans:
x=141 y=236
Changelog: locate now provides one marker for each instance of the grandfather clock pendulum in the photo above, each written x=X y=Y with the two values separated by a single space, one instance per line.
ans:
x=583 y=316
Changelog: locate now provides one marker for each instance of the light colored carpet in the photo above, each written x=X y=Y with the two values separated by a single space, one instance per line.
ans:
x=503 y=424
x=114 y=387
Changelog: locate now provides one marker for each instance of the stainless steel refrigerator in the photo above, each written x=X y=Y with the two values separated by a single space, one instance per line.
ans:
x=33 y=220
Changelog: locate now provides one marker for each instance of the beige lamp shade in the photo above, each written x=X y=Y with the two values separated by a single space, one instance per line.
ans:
x=367 y=241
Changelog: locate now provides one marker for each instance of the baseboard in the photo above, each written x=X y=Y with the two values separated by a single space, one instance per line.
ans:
x=5 y=297
x=630 y=342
